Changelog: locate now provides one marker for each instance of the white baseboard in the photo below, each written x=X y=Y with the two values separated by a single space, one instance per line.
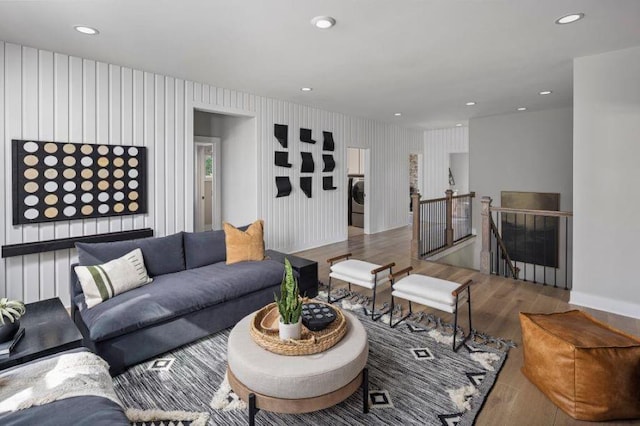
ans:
x=614 y=306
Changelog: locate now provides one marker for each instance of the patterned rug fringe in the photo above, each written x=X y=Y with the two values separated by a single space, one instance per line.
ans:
x=167 y=418
x=357 y=301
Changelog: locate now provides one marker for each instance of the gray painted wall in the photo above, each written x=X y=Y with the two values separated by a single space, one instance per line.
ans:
x=606 y=176
x=527 y=151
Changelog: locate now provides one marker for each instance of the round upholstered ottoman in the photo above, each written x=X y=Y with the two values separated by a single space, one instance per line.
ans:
x=297 y=384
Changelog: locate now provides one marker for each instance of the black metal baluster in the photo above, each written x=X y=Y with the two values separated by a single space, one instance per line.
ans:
x=544 y=252
x=566 y=251
x=555 y=252
x=535 y=247
x=526 y=247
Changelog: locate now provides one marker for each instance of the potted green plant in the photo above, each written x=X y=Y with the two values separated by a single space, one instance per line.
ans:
x=289 y=305
x=10 y=313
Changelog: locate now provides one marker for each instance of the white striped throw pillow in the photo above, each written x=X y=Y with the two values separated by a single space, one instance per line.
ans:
x=102 y=282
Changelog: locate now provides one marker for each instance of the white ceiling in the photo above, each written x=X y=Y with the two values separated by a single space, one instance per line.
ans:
x=424 y=58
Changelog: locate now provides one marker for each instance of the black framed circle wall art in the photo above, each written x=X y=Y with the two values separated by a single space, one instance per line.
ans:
x=54 y=181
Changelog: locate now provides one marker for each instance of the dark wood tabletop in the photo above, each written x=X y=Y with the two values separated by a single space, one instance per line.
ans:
x=48 y=330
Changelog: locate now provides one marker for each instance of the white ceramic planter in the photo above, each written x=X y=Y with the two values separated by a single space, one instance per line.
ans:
x=290 y=331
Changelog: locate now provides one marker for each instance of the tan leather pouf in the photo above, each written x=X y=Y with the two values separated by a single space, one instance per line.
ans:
x=588 y=369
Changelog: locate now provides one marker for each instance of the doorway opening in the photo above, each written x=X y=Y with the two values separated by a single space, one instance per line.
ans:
x=357 y=202
x=207 y=188
x=415 y=180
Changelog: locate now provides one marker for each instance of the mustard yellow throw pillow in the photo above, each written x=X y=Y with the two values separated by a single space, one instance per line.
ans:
x=244 y=245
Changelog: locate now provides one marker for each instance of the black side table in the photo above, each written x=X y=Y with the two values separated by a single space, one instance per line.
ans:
x=48 y=330
x=307 y=270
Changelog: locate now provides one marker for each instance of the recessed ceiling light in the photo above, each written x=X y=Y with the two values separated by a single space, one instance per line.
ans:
x=470 y=103
x=546 y=92
x=522 y=109
x=568 y=19
x=306 y=89
x=323 y=22
x=398 y=114
x=86 y=30
x=459 y=125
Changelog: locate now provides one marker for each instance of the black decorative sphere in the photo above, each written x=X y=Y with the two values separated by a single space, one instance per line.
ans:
x=317 y=316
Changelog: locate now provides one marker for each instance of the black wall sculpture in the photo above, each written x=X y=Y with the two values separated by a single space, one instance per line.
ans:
x=327 y=183
x=281 y=132
x=305 y=185
x=328 y=144
x=284 y=186
x=55 y=181
x=308 y=166
x=282 y=159
x=305 y=136
x=329 y=163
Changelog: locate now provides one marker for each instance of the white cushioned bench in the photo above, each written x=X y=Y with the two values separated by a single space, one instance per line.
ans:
x=433 y=292
x=361 y=273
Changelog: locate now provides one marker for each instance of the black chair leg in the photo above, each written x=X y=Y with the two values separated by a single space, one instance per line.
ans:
x=329 y=299
x=375 y=317
x=391 y=324
x=455 y=323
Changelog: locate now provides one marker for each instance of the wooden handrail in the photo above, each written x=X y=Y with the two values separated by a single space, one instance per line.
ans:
x=503 y=249
x=470 y=195
x=550 y=213
x=433 y=200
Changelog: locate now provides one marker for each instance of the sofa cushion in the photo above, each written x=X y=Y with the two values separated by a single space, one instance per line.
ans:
x=102 y=282
x=162 y=255
x=175 y=295
x=205 y=248
x=246 y=245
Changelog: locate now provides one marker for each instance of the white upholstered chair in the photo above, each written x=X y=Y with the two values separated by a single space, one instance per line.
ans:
x=433 y=292
x=358 y=272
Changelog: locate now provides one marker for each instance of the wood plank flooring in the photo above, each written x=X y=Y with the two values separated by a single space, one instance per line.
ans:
x=496 y=303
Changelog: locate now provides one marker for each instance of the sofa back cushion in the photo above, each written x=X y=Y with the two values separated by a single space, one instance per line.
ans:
x=162 y=255
x=102 y=282
x=205 y=248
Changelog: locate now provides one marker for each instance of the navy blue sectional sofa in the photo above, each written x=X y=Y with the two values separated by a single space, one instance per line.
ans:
x=194 y=293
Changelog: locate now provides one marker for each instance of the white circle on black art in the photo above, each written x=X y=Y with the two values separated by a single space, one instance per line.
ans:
x=50 y=160
x=86 y=161
x=30 y=147
x=87 y=198
x=103 y=196
x=31 y=200
x=118 y=196
x=118 y=150
x=69 y=186
x=69 y=211
x=133 y=151
x=133 y=184
x=133 y=173
x=31 y=214
x=69 y=198
x=51 y=186
x=103 y=208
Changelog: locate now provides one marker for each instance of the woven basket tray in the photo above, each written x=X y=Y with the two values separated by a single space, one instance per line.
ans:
x=311 y=342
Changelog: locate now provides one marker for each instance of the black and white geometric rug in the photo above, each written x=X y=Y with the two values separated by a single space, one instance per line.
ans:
x=414 y=378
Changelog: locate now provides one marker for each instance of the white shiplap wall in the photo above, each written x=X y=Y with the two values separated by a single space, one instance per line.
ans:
x=438 y=144
x=50 y=96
